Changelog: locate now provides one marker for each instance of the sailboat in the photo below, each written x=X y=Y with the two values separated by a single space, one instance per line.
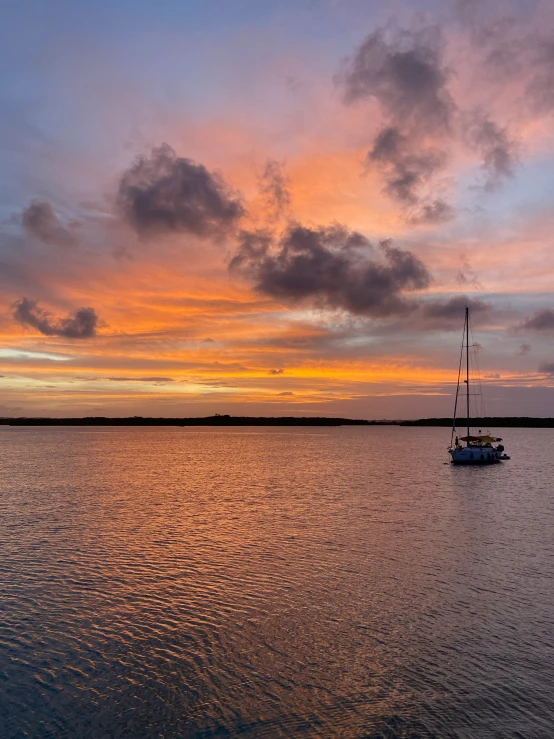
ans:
x=472 y=449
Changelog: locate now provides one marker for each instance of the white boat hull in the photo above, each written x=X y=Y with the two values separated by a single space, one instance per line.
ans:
x=476 y=455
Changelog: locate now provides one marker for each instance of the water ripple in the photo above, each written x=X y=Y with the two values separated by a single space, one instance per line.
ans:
x=273 y=582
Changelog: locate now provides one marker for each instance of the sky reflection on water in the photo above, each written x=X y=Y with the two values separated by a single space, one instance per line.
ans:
x=316 y=582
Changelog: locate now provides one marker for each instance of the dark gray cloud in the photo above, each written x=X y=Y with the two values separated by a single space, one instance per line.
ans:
x=279 y=371
x=454 y=308
x=274 y=187
x=164 y=193
x=449 y=314
x=331 y=267
x=404 y=71
x=404 y=170
x=523 y=350
x=80 y=325
x=547 y=368
x=493 y=144
x=39 y=221
x=541 y=320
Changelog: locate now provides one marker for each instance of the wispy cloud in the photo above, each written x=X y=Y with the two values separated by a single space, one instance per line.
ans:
x=10 y=353
x=39 y=221
x=141 y=379
x=541 y=321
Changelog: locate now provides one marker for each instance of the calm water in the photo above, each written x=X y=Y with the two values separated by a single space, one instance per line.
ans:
x=274 y=583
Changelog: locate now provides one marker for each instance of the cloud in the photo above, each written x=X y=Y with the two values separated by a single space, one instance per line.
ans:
x=514 y=55
x=498 y=152
x=80 y=325
x=453 y=309
x=279 y=371
x=433 y=211
x=404 y=71
x=286 y=393
x=492 y=376
x=523 y=350
x=448 y=314
x=164 y=193
x=39 y=221
x=542 y=321
x=541 y=87
x=23 y=354
x=547 y=368
x=466 y=275
x=274 y=187
x=331 y=267
x=404 y=171
x=140 y=379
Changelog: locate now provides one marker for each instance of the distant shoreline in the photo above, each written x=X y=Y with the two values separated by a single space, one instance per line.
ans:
x=486 y=422
x=217 y=420
x=225 y=420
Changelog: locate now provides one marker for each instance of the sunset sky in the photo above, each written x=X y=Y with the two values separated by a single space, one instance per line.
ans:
x=280 y=208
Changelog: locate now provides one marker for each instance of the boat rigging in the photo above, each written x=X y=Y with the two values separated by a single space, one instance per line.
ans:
x=479 y=448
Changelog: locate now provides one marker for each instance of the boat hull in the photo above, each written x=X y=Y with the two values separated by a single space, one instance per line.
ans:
x=476 y=456
x=479 y=462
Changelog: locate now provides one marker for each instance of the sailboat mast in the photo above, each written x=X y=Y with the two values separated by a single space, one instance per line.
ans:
x=467 y=370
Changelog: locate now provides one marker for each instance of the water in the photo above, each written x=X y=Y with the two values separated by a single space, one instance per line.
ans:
x=269 y=582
